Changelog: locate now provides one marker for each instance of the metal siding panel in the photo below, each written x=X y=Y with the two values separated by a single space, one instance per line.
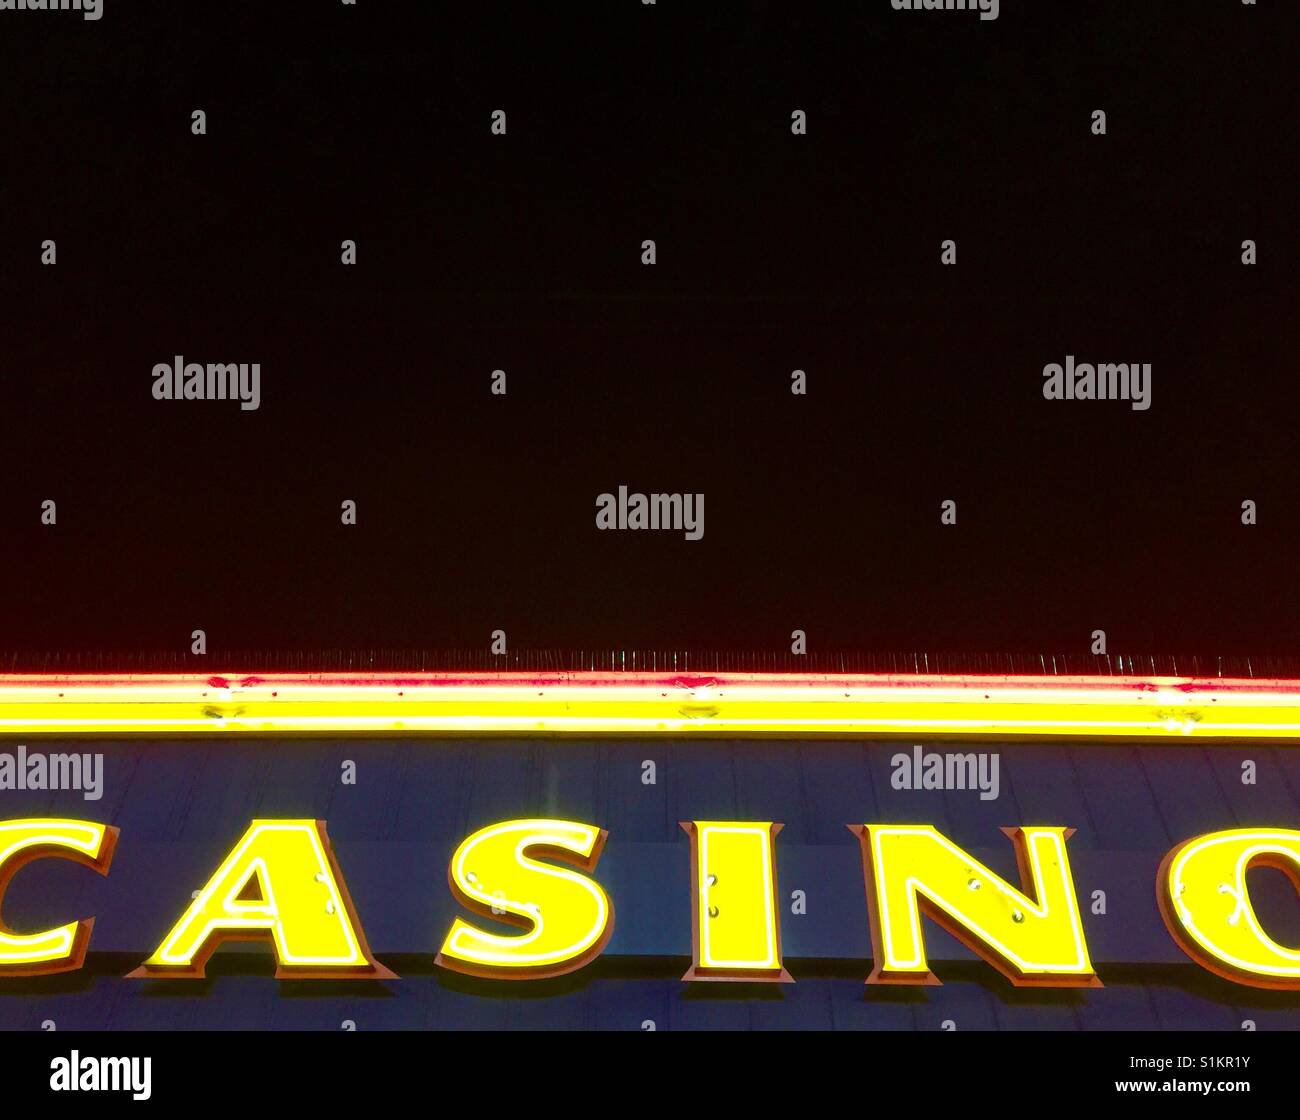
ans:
x=1044 y=784
x=838 y=785
x=1120 y=800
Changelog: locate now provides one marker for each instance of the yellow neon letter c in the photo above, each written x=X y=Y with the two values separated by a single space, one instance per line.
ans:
x=64 y=948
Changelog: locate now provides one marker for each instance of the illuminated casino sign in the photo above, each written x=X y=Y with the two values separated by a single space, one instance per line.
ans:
x=281 y=882
x=514 y=830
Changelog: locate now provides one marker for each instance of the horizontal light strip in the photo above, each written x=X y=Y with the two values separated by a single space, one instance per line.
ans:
x=730 y=705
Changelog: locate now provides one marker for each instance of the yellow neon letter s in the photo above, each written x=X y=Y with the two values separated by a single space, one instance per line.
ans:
x=64 y=948
x=912 y=870
x=280 y=882
x=736 y=931
x=569 y=918
x=1205 y=902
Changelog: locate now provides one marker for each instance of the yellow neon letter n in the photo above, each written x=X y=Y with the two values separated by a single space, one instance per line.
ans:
x=913 y=870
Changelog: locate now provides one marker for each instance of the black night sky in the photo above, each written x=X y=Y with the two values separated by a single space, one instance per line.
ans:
x=775 y=252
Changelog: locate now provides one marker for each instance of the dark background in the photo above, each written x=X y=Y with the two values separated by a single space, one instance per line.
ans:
x=522 y=252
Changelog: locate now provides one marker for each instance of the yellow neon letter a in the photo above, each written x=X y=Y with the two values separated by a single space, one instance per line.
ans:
x=569 y=918
x=280 y=882
x=64 y=948
x=912 y=870
x=737 y=935
x=1205 y=902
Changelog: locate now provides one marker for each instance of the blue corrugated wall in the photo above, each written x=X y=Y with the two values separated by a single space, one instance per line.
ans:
x=180 y=805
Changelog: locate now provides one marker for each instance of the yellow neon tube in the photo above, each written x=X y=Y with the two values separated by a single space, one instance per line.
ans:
x=724 y=705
